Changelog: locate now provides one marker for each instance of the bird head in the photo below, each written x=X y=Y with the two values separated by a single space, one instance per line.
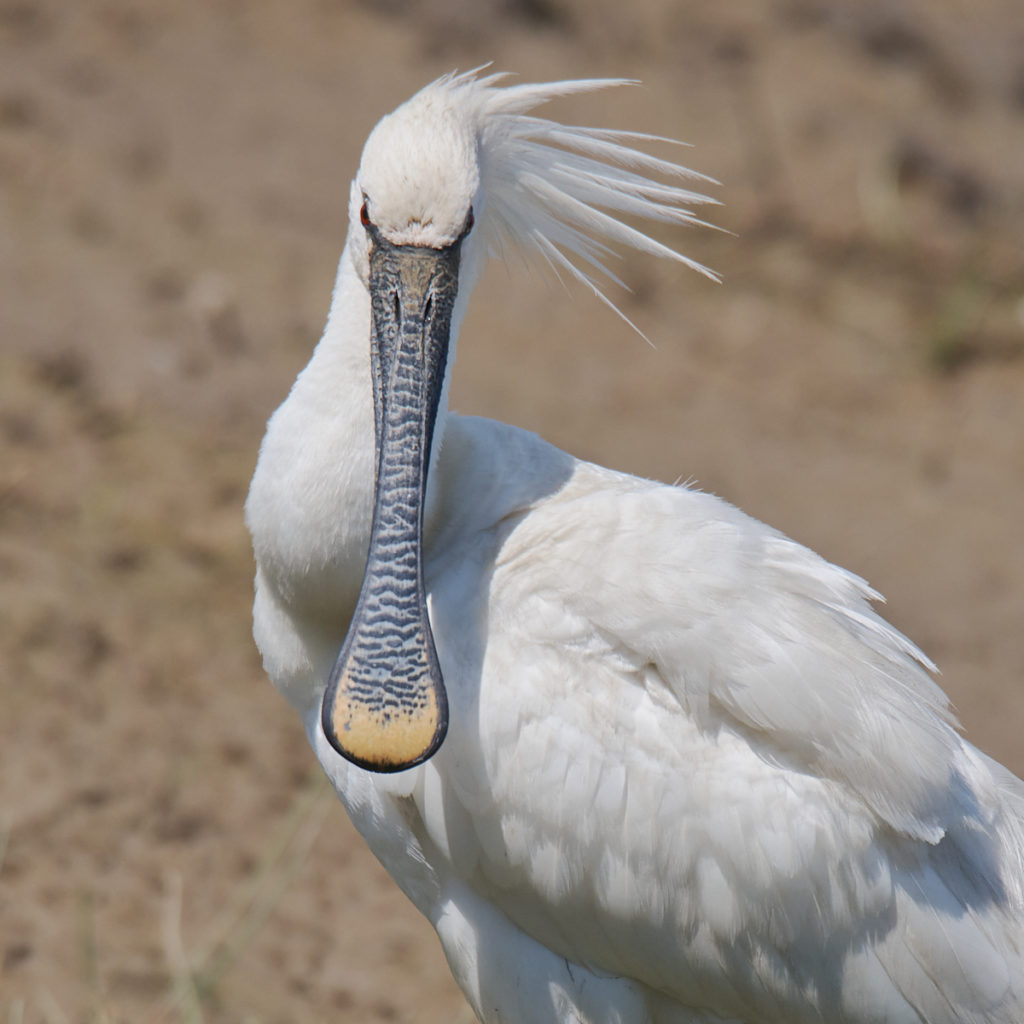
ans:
x=456 y=172
x=420 y=172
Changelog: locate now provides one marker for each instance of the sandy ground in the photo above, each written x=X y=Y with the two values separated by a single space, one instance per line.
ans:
x=173 y=180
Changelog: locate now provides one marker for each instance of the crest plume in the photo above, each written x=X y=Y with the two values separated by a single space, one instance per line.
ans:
x=562 y=191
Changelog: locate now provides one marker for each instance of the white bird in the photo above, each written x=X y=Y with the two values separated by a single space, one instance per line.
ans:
x=639 y=758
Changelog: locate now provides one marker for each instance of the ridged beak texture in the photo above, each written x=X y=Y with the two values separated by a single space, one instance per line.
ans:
x=385 y=707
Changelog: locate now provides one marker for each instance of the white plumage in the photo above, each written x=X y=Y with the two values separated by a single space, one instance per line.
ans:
x=689 y=774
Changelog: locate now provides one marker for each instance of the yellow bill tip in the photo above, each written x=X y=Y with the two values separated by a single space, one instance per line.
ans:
x=384 y=740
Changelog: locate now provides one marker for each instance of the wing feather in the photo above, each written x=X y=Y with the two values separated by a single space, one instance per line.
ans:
x=701 y=760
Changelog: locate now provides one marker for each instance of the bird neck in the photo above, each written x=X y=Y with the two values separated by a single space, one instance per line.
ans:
x=311 y=502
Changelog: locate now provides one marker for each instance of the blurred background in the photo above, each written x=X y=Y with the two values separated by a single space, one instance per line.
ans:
x=173 y=181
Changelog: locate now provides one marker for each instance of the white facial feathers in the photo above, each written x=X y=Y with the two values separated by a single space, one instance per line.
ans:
x=420 y=169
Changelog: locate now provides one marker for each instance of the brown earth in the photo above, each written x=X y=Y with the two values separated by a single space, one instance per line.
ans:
x=174 y=178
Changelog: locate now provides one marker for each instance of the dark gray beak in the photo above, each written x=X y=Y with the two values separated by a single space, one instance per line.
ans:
x=385 y=707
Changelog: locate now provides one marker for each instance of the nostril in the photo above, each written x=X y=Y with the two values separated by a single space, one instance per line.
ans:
x=397 y=306
x=428 y=307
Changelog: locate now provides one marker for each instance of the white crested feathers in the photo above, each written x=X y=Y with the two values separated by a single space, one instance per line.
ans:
x=559 y=191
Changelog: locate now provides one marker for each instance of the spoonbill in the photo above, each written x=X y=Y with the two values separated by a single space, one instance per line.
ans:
x=639 y=758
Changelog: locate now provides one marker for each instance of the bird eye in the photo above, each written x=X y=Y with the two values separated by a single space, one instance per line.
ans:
x=364 y=215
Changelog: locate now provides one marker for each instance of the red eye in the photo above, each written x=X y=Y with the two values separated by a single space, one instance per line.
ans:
x=364 y=216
